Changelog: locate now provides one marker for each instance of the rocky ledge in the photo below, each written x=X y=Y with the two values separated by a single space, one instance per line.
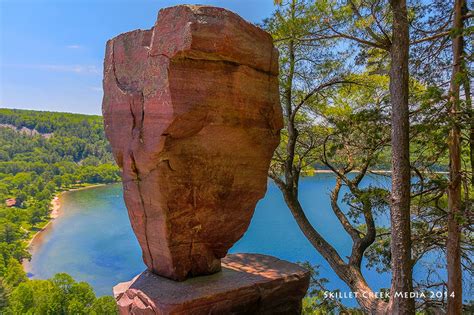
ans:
x=247 y=284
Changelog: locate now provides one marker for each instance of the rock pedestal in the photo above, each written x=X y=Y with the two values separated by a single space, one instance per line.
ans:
x=191 y=109
x=247 y=284
x=192 y=112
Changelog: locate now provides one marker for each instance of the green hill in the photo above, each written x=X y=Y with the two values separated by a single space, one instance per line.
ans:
x=42 y=153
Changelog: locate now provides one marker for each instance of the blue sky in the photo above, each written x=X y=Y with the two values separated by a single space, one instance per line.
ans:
x=51 y=52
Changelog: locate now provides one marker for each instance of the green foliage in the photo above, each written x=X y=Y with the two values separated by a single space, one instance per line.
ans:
x=3 y=296
x=59 y=295
x=14 y=274
x=317 y=301
x=334 y=86
x=104 y=305
x=42 y=153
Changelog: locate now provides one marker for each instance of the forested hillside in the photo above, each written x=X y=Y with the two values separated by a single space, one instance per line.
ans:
x=42 y=153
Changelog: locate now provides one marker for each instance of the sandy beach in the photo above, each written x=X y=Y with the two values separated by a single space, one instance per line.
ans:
x=55 y=206
x=54 y=214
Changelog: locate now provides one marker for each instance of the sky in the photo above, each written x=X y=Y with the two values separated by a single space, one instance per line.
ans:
x=51 y=51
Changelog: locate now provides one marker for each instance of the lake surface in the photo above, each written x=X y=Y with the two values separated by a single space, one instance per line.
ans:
x=92 y=239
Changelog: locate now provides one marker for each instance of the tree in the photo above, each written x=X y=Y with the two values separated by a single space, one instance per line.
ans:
x=14 y=274
x=3 y=296
x=348 y=22
x=105 y=305
x=83 y=294
x=400 y=196
x=446 y=52
x=76 y=307
x=59 y=295
x=36 y=216
x=309 y=74
x=9 y=232
x=21 y=299
x=453 y=246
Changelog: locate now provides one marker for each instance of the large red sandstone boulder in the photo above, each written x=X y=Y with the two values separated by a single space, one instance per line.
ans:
x=248 y=284
x=191 y=109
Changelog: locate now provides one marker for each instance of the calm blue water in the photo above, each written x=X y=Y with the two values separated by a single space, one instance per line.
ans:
x=92 y=240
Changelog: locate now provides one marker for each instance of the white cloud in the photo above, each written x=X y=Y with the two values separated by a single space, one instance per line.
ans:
x=74 y=46
x=96 y=88
x=80 y=69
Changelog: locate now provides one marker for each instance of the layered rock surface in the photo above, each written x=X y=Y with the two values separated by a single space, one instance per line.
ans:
x=191 y=109
x=248 y=284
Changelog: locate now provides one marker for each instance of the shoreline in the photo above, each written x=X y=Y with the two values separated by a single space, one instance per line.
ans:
x=353 y=171
x=53 y=215
x=377 y=171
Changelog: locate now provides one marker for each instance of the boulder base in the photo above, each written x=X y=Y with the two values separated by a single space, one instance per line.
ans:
x=247 y=284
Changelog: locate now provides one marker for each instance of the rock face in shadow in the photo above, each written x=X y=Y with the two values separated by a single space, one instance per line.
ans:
x=191 y=109
x=248 y=284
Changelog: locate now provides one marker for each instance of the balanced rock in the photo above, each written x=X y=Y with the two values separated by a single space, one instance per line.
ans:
x=191 y=109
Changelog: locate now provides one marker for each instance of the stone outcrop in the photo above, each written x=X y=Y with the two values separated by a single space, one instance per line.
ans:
x=191 y=109
x=248 y=284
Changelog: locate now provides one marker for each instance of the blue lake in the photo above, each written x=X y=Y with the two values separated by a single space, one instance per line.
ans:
x=92 y=239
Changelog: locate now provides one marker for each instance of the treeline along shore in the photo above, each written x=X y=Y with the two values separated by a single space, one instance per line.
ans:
x=43 y=154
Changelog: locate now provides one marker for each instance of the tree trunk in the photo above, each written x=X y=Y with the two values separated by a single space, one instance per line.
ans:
x=351 y=275
x=400 y=194
x=467 y=94
x=470 y=111
x=453 y=246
